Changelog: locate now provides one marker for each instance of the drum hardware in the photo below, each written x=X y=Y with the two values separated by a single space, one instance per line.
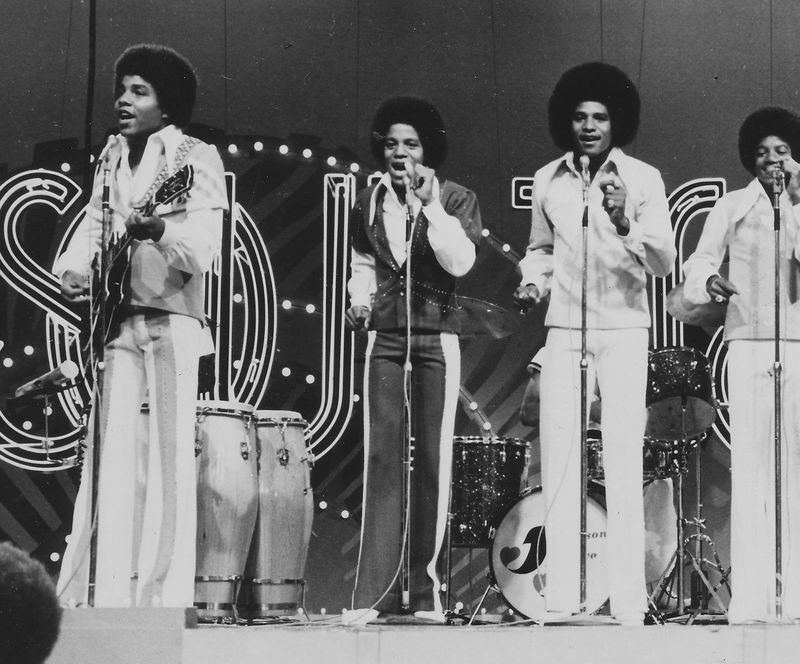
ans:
x=681 y=408
x=220 y=612
x=198 y=446
x=701 y=587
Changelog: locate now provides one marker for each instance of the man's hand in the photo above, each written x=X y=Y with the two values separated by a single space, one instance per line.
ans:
x=357 y=317
x=526 y=296
x=614 y=197
x=74 y=287
x=145 y=228
x=792 y=171
x=720 y=289
x=420 y=180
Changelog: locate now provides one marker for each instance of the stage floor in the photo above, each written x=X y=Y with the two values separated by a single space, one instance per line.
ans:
x=123 y=636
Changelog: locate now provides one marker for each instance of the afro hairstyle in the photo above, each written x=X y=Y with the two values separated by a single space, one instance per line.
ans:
x=767 y=121
x=599 y=82
x=30 y=614
x=418 y=113
x=171 y=75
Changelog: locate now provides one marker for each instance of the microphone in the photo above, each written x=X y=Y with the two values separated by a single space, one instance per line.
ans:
x=110 y=143
x=409 y=207
x=50 y=382
x=585 y=177
x=585 y=171
x=777 y=186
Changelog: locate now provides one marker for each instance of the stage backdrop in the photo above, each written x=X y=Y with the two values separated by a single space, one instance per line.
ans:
x=308 y=75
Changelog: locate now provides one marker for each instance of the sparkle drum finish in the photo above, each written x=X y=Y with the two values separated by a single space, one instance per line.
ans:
x=488 y=475
x=680 y=403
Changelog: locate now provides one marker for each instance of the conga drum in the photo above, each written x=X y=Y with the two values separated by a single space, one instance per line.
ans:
x=227 y=503
x=274 y=584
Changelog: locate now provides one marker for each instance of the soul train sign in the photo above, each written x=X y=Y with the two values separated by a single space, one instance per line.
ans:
x=242 y=302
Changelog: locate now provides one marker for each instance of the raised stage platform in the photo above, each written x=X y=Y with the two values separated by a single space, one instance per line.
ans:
x=166 y=636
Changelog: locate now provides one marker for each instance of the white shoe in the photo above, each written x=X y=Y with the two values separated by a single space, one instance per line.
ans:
x=358 y=616
x=633 y=619
x=553 y=617
x=430 y=616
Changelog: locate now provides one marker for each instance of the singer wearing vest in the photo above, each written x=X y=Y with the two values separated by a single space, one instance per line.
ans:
x=408 y=141
x=593 y=110
x=152 y=352
x=741 y=226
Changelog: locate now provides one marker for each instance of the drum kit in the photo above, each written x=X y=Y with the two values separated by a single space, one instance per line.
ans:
x=490 y=506
x=254 y=511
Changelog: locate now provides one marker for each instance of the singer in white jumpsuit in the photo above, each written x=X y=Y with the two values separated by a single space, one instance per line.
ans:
x=593 y=110
x=741 y=224
x=153 y=349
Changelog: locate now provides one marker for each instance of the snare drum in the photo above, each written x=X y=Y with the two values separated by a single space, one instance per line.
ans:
x=488 y=475
x=227 y=503
x=518 y=556
x=274 y=583
x=665 y=458
x=679 y=399
x=660 y=458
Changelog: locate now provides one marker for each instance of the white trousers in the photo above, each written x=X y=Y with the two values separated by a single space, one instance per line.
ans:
x=154 y=357
x=752 y=418
x=617 y=359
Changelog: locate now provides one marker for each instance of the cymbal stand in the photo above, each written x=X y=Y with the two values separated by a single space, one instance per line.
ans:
x=673 y=574
x=702 y=588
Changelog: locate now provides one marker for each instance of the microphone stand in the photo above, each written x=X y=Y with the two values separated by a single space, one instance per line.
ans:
x=99 y=354
x=407 y=453
x=584 y=377
x=777 y=189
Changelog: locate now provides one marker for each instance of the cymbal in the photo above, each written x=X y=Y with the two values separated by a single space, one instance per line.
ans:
x=710 y=314
x=478 y=318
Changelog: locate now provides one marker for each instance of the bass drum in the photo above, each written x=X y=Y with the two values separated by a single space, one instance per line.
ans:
x=518 y=556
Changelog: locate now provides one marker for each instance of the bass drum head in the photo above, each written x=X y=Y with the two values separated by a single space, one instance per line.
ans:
x=518 y=556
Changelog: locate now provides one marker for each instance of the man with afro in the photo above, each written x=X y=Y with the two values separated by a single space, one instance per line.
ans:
x=156 y=337
x=414 y=234
x=30 y=616
x=741 y=226
x=594 y=109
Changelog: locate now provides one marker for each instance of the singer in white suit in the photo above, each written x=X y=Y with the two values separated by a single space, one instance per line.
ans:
x=593 y=110
x=152 y=352
x=741 y=226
